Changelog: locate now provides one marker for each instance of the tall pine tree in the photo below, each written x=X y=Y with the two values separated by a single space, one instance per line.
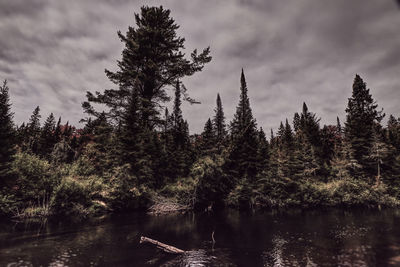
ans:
x=152 y=61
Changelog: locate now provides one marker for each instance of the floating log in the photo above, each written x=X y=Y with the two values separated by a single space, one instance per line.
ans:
x=162 y=246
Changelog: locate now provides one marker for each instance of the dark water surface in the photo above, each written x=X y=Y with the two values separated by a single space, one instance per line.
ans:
x=307 y=238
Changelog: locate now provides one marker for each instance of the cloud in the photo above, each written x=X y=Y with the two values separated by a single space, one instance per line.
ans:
x=292 y=51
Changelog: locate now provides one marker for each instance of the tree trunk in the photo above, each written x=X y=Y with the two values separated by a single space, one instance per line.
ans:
x=162 y=246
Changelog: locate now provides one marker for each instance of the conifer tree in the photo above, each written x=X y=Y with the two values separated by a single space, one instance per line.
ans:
x=338 y=127
x=130 y=135
x=242 y=160
x=296 y=122
x=263 y=150
x=33 y=131
x=208 y=138
x=7 y=135
x=47 y=136
x=57 y=131
x=362 y=115
x=393 y=132
x=219 y=122
x=152 y=60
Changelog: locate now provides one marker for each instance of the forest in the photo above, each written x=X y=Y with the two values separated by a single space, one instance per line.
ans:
x=132 y=151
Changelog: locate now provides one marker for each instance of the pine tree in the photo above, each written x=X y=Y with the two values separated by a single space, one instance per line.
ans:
x=362 y=115
x=7 y=135
x=219 y=122
x=152 y=60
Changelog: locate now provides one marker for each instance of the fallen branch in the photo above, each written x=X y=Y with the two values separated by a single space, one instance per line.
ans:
x=162 y=246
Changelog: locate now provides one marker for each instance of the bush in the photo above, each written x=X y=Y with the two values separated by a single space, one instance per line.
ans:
x=8 y=204
x=126 y=193
x=70 y=197
x=182 y=191
x=213 y=185
x=35 y=178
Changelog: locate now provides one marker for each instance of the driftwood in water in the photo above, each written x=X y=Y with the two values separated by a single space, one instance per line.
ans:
x=164 y=247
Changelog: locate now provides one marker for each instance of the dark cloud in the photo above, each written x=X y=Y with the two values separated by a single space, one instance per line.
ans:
x=292 y=51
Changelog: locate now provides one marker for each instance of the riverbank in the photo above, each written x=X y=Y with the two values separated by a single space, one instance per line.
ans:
x=82 y=199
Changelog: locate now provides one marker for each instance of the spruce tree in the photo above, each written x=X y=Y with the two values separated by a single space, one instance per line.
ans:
x=393 y=132
x=208 y=138
x=180 y=134
x=362 y=115
x=7 y=135
x=33 y=131
x=47 y=136
x=263 y=150
x=219 y=122
x=242 y=160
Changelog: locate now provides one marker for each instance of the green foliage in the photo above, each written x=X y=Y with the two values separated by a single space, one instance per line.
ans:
x=242 y=159
x=213 y=184
x=362 y=115
x=7 y=136
x=183 y=191
x=8 y=204
x=128 y=154
x=70 y=198
x=219 y=122
x=36 y=178
x=126 y=193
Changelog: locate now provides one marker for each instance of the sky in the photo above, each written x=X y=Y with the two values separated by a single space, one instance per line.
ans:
x=52 y=52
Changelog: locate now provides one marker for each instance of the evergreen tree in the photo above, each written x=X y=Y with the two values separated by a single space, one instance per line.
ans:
x=263 y=150
x=208 y=138
x=219 y=122
x=242 y=160
x=362 y=115
x=131 y=131
x=7 y=135
x=296 y=122
x=33 y=131
x=393 y=132
x=179 y=128
x=152 y=60
x=339 y=129
x=309 y=125
x=57 y=131
x=47 y=136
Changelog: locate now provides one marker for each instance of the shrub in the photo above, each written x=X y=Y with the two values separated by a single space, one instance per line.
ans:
x=35 y=178
x=213 y=185
x=126 y=193
x=70 y=197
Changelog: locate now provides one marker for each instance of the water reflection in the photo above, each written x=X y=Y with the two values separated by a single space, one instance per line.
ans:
x=312 y=238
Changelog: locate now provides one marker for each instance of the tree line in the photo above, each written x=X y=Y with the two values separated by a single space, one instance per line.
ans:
x=134 y=147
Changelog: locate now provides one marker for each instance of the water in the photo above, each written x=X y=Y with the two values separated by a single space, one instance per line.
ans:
x=308 y=238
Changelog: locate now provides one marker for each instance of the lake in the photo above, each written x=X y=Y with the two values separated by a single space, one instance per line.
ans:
x=296 y=238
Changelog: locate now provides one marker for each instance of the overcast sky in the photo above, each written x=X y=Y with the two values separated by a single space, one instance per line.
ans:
x=52 y=52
